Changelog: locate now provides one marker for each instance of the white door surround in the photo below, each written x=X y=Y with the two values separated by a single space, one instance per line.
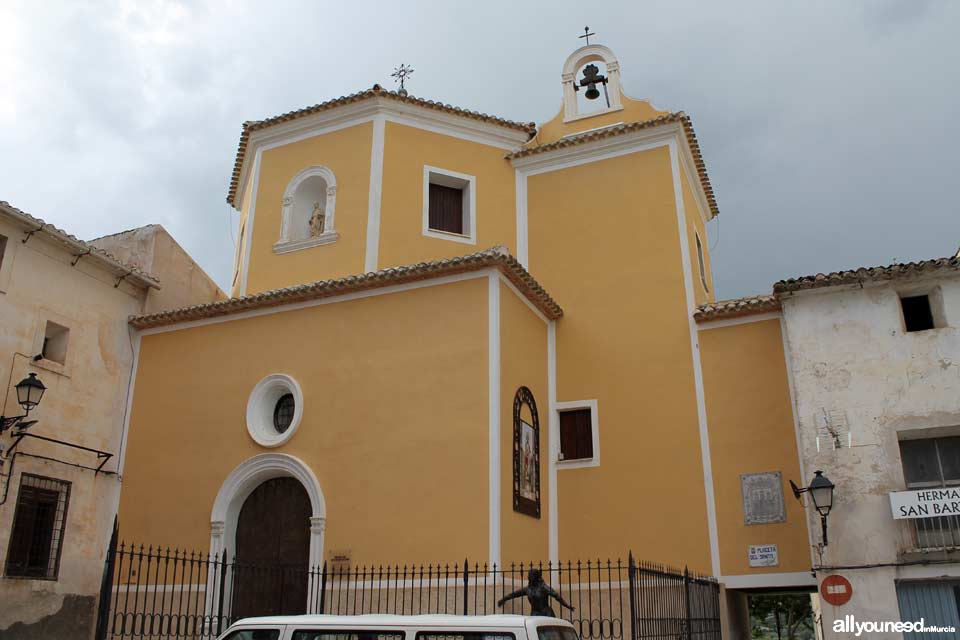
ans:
x=241 y=482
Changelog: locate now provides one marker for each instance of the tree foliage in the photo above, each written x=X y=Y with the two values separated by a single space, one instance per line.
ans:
x=785 y=616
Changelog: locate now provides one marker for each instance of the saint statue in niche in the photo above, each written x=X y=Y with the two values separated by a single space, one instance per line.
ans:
x=317 y=219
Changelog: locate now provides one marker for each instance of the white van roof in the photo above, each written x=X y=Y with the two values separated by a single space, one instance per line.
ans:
x=381 y=620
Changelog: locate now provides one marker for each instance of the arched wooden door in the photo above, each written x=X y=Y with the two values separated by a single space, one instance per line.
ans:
x=273 y=551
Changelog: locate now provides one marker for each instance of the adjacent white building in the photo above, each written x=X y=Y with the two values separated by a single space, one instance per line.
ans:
x=64 y=306
x=875 y=364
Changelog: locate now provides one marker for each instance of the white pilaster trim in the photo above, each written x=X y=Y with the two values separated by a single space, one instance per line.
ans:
x=732 y=322
x=372 y=255
x=688 y=285
x=553 y=500
x=768 y=580
x=493 y=339
x=523 y=256
x=248 y=242
x=125 y=434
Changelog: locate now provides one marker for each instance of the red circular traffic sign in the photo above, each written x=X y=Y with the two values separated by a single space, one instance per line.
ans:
x=836 y=590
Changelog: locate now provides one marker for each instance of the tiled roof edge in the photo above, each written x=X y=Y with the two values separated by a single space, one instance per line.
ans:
x=736 y=307
x=609 y=132
x=376 y=91
x=867 y=274
x=82 y=248
x=495 y=257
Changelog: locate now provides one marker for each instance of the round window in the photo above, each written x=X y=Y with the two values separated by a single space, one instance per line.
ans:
x=283 y=412
x=274 y=410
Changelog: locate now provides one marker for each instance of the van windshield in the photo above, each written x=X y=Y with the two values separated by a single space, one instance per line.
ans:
x=556 y=633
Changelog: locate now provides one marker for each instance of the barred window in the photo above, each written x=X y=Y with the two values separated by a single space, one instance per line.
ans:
x=38 y=524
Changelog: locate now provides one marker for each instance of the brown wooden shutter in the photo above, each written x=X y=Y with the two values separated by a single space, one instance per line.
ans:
x=576 y=434
x=446 y=209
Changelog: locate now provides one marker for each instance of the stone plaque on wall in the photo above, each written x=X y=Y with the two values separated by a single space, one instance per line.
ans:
x=762 y=498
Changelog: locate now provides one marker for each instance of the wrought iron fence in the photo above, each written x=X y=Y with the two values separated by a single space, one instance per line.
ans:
x=153 y=593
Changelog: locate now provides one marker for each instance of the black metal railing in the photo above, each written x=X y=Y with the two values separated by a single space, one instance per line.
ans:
x=152 y=593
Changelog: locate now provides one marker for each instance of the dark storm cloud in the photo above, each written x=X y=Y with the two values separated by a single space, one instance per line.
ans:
x=828 y=128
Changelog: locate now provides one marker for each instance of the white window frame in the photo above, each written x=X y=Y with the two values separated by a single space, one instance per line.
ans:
x=447 y=178
x=260 y=406
x=579 y=463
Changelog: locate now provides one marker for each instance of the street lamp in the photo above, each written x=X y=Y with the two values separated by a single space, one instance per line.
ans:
x=29 y=392
x=821 y=492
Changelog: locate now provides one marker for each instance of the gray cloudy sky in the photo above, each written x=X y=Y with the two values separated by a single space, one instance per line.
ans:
x=828 y=128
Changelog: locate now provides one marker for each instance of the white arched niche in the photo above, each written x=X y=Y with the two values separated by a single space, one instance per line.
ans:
x=308 y=213
x=576 y=61
x=238 y=486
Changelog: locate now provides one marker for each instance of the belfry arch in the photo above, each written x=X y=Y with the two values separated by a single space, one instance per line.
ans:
x=576 y=60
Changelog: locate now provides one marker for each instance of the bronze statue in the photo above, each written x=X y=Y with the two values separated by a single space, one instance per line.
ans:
x=317 y=219
x=538 y=594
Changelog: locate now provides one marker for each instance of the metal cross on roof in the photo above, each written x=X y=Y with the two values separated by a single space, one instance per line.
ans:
x=586 y=34
x=400 y=74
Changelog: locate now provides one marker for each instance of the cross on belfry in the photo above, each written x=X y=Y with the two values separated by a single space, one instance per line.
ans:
x=400 y=75
x=586 y=34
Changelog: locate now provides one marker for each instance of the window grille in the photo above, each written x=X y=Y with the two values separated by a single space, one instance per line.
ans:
x=36 y=538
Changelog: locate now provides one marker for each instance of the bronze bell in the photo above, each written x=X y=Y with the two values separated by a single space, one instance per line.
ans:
x=591 y=76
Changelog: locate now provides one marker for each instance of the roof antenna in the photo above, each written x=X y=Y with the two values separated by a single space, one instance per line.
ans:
x=400 y=74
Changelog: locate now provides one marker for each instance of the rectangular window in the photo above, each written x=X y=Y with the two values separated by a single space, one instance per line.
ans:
x=917 y=313
x=254 y=634
x=330 y=634
x=3 y=248
x=576 y=434
x=463 y=635
x=929 y=463
x=446 y=209
x=703 y=269
x=38 y=525
x=449 y=205
x=55 y=340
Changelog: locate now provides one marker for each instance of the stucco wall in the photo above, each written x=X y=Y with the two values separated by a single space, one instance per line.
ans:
x=750 y=415
x=395 y=422
x=854 y=363
x=624 y=340
x=84 y=404
x=523 y=362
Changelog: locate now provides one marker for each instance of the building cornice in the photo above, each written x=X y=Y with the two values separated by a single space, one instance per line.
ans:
x=363 y=106
x=864 y=275
x=536 y=158
x=497 y=257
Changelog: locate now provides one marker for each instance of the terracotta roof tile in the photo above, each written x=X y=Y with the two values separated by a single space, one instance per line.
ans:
x=736 y=307
x=867 y=274
x=81 y=248
x=375 y=92
x=497 y=257
x=609 y=132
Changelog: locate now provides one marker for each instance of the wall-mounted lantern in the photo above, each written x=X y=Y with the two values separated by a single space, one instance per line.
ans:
x=29 y=392
x=821 y=492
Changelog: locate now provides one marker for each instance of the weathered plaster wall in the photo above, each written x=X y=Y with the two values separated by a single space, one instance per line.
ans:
x=854 y=364
x=84 y=404
x=155 y=251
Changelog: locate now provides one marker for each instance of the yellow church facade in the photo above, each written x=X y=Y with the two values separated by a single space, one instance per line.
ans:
x=420 y=294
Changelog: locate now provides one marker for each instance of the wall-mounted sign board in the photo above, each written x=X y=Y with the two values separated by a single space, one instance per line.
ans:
x=925 y=503
x=763 y=555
